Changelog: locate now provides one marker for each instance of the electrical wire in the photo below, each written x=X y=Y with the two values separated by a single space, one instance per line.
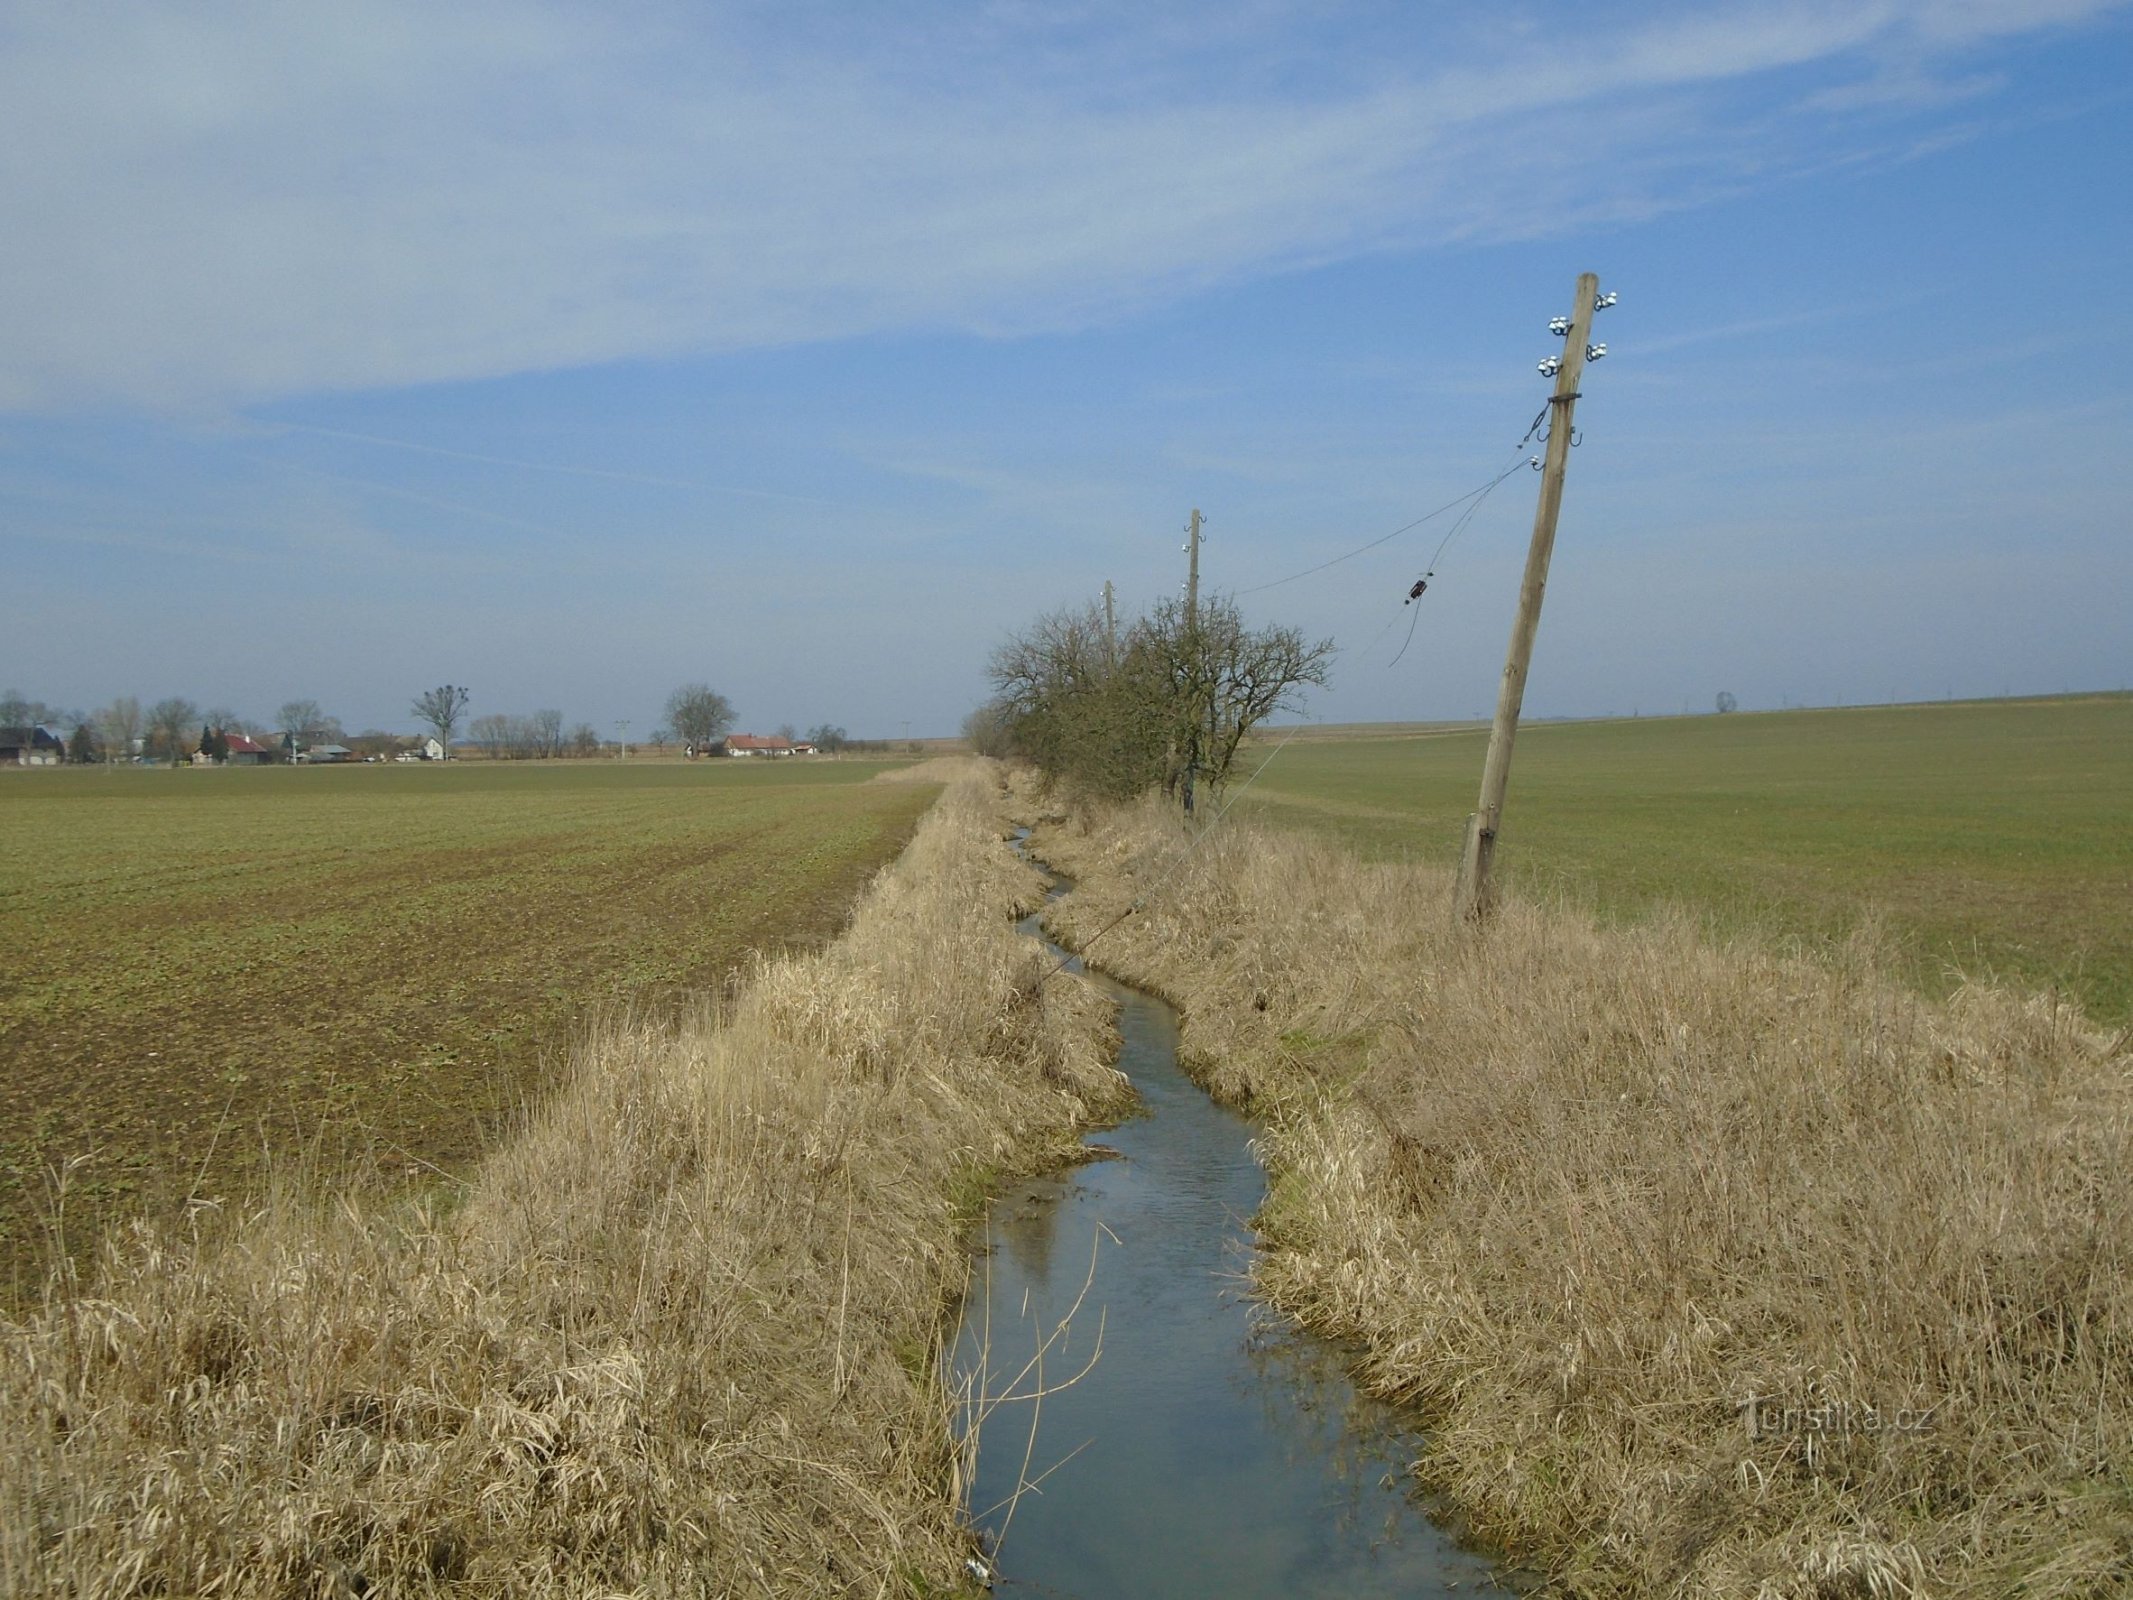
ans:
x=1465 y=517
x=1451 y=505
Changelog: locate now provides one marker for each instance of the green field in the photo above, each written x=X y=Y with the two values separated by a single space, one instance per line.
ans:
x=201 y=965
x=1991 y=839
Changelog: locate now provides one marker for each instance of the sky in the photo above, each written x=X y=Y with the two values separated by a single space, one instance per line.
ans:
x=575 y=352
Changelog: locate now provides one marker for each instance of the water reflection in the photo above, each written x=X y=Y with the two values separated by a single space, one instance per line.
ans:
x=1185 y=1442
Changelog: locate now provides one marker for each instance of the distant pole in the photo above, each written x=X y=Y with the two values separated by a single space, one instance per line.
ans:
x=624 y=724
x=1110 y=626
x=1192 y=572
x=1192 y=645
x=1473 y=898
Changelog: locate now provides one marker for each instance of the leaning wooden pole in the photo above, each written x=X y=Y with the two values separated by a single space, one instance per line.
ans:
x=1474 y=897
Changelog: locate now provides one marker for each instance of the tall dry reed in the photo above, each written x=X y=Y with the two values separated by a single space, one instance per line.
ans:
x=679 y=1338
x=1713 y=1272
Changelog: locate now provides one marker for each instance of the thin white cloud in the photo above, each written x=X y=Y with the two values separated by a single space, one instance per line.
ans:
x=211 y=208
x=563 y=468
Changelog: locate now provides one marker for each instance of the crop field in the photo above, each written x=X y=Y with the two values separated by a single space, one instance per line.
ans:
x=1985 y=838
x=202 y=972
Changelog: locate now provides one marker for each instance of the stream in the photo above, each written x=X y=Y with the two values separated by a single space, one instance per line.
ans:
x=1188 y=1442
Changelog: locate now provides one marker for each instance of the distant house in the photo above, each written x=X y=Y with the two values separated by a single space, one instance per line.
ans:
x=757 y=744
x=803 y=748
x=31 y=747
x=326 y=755
x=247 y=752
x=422 y=750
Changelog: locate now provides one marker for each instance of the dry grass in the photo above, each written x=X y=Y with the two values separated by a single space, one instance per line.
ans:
x=678 y=1338
x=1583 y=1194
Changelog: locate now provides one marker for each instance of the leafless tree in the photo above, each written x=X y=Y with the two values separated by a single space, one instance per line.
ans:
x=584 y=740
x=1171 y=709
x=170 y=725
x=699 y=714
x=1225 y=678
x=440 y=709
x=120 y=724
x=309 y=722
x=545 y=733
x=492 y=732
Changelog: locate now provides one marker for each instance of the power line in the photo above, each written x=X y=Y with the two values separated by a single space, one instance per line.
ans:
x=1450 y=505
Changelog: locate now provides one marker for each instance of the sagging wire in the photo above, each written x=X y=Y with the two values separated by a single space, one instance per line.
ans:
x=1450 y=505
x=1421 y=584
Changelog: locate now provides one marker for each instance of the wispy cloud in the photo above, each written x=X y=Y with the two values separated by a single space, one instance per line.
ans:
x=211 y=207
x=563 y=468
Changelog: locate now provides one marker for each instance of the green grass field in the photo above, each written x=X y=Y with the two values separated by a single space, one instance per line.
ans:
x=1993 y=839
x=374 y=958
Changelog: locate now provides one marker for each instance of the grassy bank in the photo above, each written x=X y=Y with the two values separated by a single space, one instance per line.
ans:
x=1991 y=839
x=1713 y=1272
x=676 y=1338
x=201 y=965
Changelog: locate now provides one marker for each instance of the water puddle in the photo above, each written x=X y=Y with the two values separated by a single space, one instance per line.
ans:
x=1187 y=1442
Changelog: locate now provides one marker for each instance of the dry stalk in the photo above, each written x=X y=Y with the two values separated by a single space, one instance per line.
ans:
x=1714 y=1272
x=675 y=1339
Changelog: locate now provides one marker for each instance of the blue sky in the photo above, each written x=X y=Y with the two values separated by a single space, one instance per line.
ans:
x=574 y=352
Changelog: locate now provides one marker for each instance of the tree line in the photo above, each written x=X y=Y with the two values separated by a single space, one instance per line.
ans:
x=175 y=729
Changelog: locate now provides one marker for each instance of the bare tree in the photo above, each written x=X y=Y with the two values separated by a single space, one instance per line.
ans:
x=1171 y=710
x=440 y=709
x=1726 y=702
x=584 y=740
x=120 y=723
x=699 y=714
x=19 y=711
x=989 y=730
x=545 y=733
x=170 y=725
x=1226 y=678
x=828 y=738
x=492 y=732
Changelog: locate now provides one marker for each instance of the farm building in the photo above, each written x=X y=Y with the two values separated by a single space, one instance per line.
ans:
x=247 y=752
x=757 y=744
x=31 y=747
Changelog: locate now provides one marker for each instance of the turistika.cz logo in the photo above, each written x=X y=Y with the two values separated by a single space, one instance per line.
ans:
x=1767 y=1416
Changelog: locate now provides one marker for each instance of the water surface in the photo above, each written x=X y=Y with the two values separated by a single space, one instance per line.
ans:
x=1206 y=1449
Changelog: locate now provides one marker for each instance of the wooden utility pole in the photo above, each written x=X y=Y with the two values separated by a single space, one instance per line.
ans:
x=1192 y=573
x=1192 y=643
x=1110 y=627
x=1473 y=898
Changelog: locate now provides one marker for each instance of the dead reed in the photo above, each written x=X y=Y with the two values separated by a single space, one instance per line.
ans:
x=1714 y=1272
x=679 y=1338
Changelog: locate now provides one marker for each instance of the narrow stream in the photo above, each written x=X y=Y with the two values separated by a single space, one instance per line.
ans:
x=1205 y=1448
